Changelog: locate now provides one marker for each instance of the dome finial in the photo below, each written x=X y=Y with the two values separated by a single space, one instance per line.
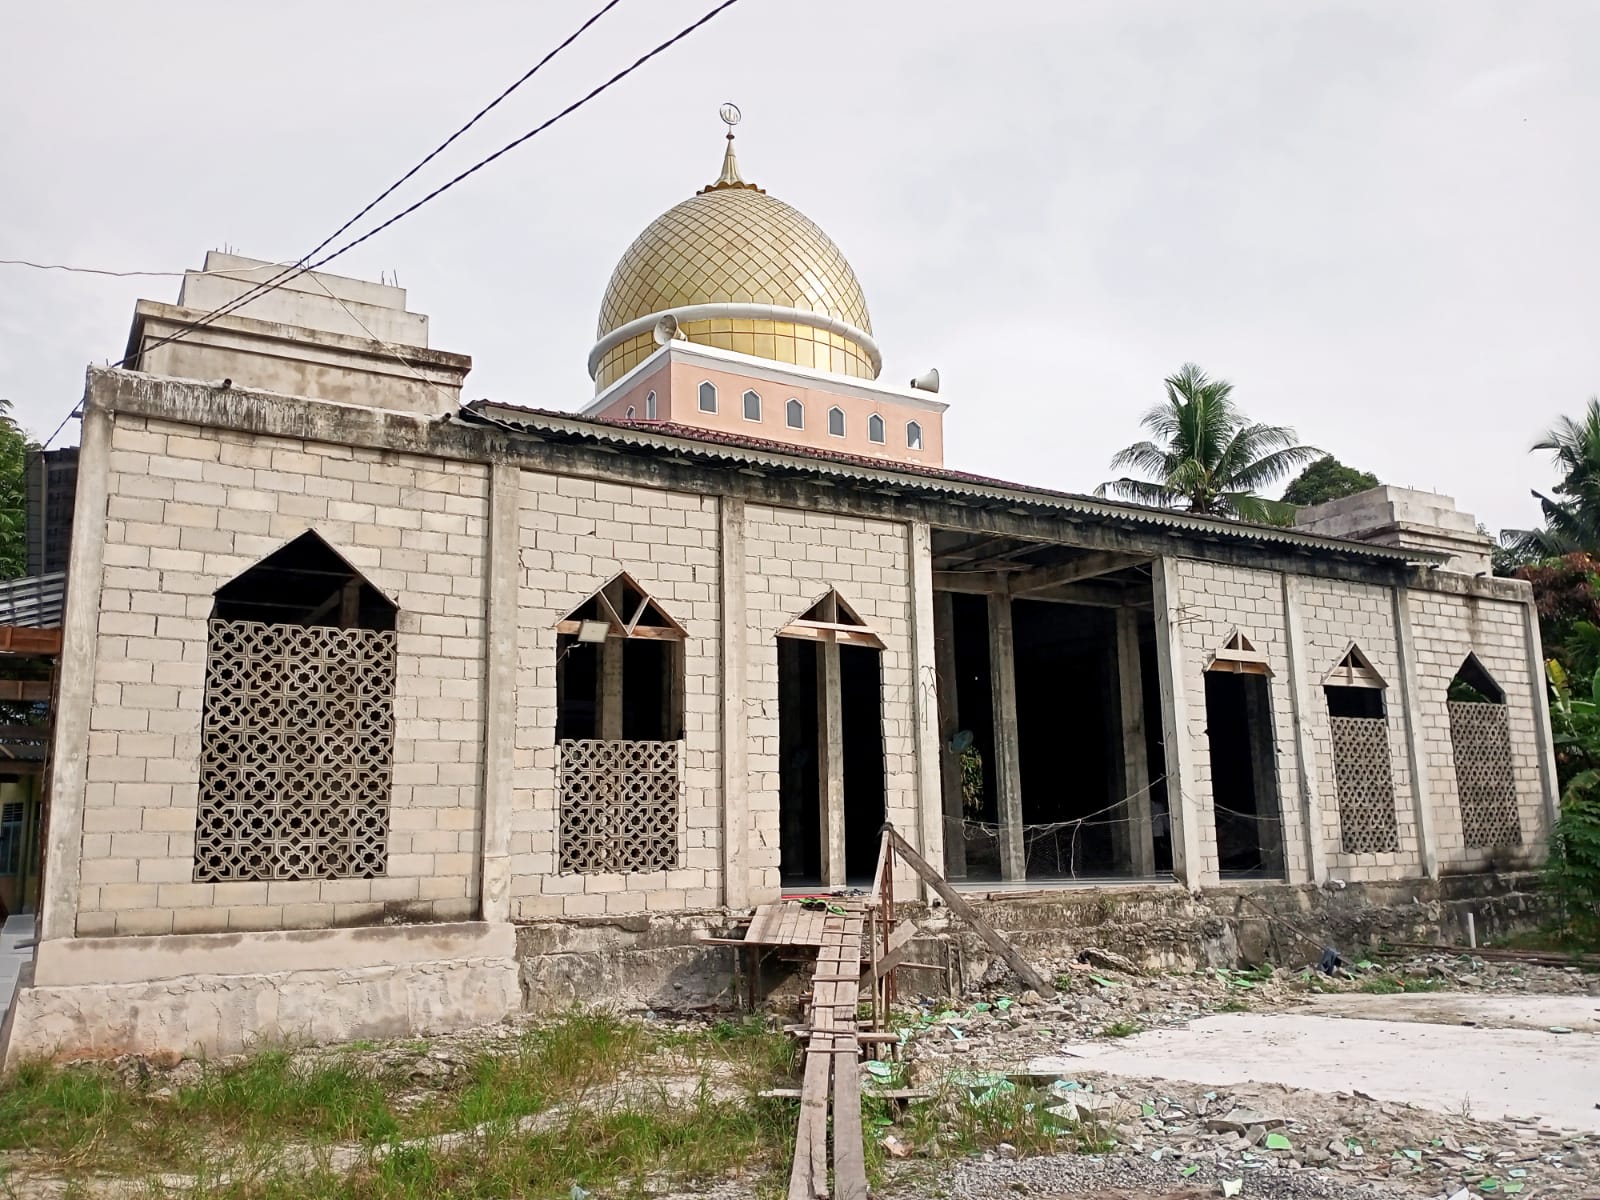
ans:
x=730 y=177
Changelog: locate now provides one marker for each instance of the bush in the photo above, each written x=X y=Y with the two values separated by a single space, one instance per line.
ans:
x=1574 y=868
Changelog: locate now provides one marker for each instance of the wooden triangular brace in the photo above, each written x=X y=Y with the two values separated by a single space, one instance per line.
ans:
x=831 y=619
x=1239 y=656
x=1354 y=669
x=628 y=610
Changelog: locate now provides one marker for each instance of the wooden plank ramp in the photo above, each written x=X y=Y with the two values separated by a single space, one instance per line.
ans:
x=833 y=1056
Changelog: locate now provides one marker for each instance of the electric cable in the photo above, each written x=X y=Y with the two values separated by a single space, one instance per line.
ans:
x=302 y=265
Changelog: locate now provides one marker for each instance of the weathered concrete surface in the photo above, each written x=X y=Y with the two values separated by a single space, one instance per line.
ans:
x=633 y=961
x=1493 y=1073
x=225 y=1014
x=1581 y=1014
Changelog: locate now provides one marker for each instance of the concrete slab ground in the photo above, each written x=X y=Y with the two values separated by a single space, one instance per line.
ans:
x=16 y=948
x=1394 y=1048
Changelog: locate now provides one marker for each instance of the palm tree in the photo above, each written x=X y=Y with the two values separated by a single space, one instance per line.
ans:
x=1572 y=512
x=1208 y=457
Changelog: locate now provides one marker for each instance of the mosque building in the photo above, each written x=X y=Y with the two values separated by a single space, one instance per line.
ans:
x=379 y=714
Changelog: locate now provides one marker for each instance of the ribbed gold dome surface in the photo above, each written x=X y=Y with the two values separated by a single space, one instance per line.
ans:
x=732 y=244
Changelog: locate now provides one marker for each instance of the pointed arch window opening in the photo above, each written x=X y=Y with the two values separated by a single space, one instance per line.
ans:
x=794 y=414
x=1363 y=770
x=836 y=426
x=297 y=722
x=752 y=406
x=1480 y=745
x=1246 y=798
x=708 y=397
x=650 y=406
x=619 y=732
x=913 y=435
x=1238 y=655
x=876 y=431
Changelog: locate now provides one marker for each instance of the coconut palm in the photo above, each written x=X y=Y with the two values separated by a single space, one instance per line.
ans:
x=1208 y=457
x=1572 y=511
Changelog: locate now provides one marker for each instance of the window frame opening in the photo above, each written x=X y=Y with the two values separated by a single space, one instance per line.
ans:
x=1481 y=758
x=650 y=406
x=708 y=391
x=750 y=394
x=1246 y=795
x=794 y=413
x=1363 y=755
x=913 y=435
x=877 y=430
x=837 y=428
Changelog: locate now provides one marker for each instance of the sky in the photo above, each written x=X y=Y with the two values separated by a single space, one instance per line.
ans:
x=1380 y=221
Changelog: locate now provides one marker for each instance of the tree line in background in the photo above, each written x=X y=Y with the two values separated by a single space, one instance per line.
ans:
x=15 y=447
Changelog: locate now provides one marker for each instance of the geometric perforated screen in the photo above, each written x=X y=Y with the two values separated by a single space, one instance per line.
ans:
x=1364 y=784
x=296 y=753
x=619 y=806
x=1480 y=736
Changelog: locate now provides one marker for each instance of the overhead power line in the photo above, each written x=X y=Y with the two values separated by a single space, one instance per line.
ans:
x=306 y=264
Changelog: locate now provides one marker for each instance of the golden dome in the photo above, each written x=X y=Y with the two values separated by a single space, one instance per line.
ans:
x=741 y=270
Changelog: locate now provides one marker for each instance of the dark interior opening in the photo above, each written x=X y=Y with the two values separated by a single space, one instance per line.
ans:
x=577 y=688
x=799 y=785
x=1069 y=736
x=975 y=718
x=305 y=582
x=1354 y=701
x=1244 y=774
x=1474 y=684
x=1155 y=751
x=861 y=707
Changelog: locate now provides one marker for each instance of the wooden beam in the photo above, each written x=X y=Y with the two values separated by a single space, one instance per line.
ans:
x=967 y=913
x=27 y=640
x=899 y=947
x=1101 y=562
x=24 y=691
x=1007 y=754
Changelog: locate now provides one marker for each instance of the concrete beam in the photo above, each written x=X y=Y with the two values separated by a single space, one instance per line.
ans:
x=1303 y=704
x=1416 y=753
x=1183 y=809
x=1539 y=700
x=1008 y=763
x=1101 y=562
x=1135 y=754
x=69 y=757
x=944 y=632
x=925 y=695
x=830 y=762
x=735 y=734
x=502 y=572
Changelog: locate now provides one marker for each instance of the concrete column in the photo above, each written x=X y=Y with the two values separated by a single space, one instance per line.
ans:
x=1539 y=698
x=610 y=685
x=1007 y=759
x=69 y=755
x=1135 y=750
x=499 y=692
x=944 y=637
x=1416 y=754
x=1183 y=810
x=1303 y=700
x=925 y=697
x=830 y=762
x=735 y=738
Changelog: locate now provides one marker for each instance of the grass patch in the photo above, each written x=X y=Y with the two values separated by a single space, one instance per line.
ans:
x=1232 y=1005
x=1120 y=1029
x=1393 y=985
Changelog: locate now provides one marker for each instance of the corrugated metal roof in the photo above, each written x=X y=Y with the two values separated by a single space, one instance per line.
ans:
x=35 y=601
x=717 y=448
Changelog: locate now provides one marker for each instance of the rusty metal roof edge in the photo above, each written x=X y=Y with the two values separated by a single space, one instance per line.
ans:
x=542 y=421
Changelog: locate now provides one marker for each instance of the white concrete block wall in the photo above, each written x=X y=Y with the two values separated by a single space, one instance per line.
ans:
x=189 y=510
x=793 y=558
x=1445 y=629
x=1333 y=614
x=1214 y=600
x=576 y=535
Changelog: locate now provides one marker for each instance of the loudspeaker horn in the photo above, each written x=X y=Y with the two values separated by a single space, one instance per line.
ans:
x=666 y=329
x=928 y=381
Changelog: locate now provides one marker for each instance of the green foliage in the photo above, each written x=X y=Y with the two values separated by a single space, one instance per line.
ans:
x=1572 y=510
x=1120 y=1029
x=14 y=448
x=1327 y=479
x=1574 y=867
x=1206 y=456
x=972 y=779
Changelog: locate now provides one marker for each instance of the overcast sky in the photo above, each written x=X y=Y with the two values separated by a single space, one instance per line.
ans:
x=1381 y=221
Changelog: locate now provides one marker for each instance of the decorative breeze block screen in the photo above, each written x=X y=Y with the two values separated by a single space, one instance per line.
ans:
x=619 y=806
x=1365 y=785
x=1480 y=735
x=296 y=751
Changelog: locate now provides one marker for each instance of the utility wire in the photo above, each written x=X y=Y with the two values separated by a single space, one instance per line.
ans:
x=303 y=265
